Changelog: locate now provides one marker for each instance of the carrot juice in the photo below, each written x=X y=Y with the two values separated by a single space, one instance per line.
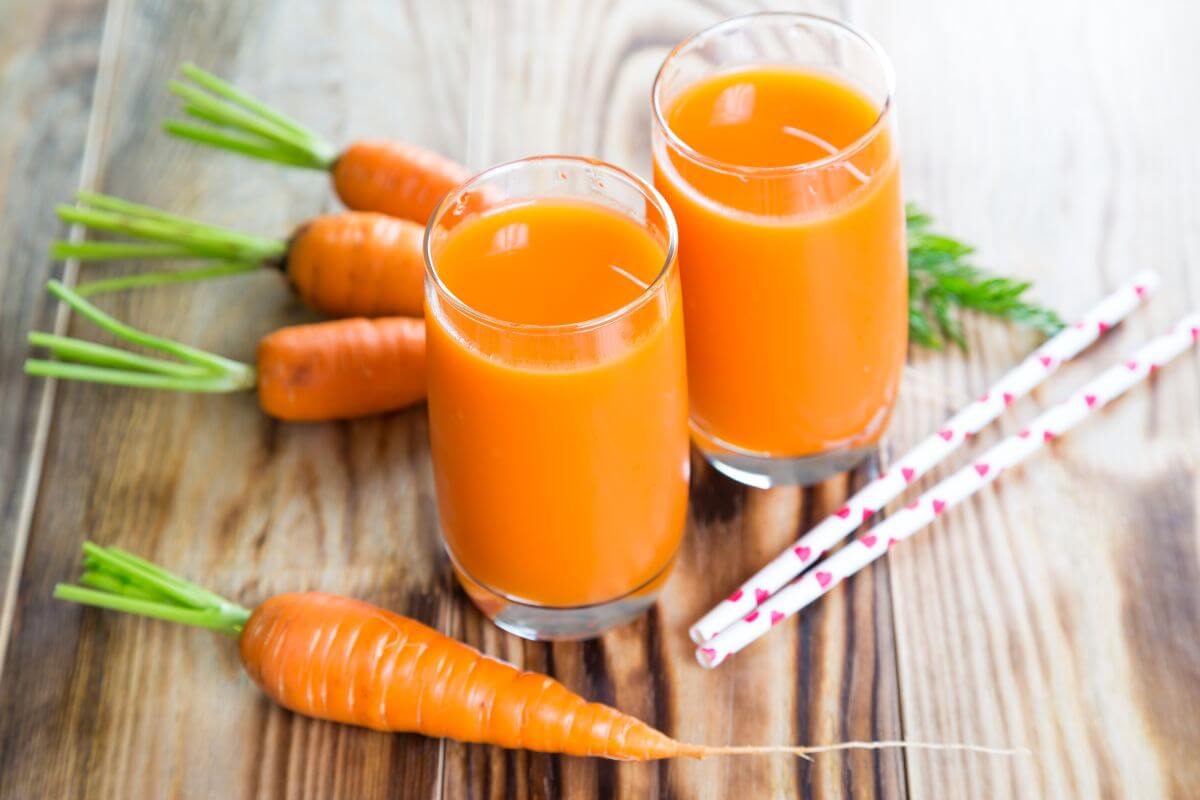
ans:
x=557 y=395
x=785 y=184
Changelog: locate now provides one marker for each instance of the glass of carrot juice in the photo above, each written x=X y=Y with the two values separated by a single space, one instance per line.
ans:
x=557 y=393
x=774 y=143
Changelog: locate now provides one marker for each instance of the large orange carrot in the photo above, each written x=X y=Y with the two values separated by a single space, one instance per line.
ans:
x=340 y=369
x=352 y=264
x=347 y=661
x=385 y=176
x=327 y=370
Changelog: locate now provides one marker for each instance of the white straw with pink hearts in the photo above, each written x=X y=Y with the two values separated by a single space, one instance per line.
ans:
x=905 y=522
x=1021 y=380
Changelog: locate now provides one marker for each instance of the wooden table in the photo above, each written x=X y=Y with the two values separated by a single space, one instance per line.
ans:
x=1058 y=610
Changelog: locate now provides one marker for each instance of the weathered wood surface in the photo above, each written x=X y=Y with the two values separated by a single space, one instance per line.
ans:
x=1056 y=611
x=1060 y=608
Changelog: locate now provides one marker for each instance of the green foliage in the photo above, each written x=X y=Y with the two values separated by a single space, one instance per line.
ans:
x=942 y=281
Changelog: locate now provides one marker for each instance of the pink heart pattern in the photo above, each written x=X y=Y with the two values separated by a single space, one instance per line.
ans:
x=867 y=513
x=1102 y=327
x=946 y=434
x=843 y=512
x=1131 y=365
x=869 y=540
x=1196 y=335
x=753 y=615
x=824 y=578
x=803 y=553
x=776 y=617
x=938 y=506
x=1140 y=291
x=733 y=598
x=982 y=469
x=1008 y=399
x=1024 y=433
x=1047 y=361
x=760 y=596
x=1047 y=436
x=710 y=654
x=908 y=473
x=1090 y=399
x=913 y=505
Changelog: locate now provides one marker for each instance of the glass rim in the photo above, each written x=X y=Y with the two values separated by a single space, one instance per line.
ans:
x=885 y=64
x=642 y=186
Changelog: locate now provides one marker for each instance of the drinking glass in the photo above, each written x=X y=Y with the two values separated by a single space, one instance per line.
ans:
x=794 y=273
x=560 y=451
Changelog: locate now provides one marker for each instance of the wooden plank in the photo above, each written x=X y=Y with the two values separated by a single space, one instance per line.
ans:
x=94 y=705
x=575 y=77
x=48 y=57
x=1057 y=610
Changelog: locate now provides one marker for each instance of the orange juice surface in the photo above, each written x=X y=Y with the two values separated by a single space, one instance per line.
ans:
x=794 y=280
x=560 y=454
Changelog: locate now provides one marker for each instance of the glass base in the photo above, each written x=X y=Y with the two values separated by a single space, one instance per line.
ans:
x=763 y=471
x=559 y=623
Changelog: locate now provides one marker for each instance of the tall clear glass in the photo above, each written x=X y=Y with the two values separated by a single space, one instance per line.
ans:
x=560 y=451
x=775 y=145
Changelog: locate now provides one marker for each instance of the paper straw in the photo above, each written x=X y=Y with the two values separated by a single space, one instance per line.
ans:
x=1021 y=380
x=1048 y=426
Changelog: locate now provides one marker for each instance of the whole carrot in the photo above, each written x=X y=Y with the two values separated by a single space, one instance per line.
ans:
x=327 y=370
x=347 y=661
x=352 y=264
x=390 y=177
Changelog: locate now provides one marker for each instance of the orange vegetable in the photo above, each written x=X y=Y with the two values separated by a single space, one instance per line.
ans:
x=347 y=661
x=343 y=368
x=395 y=178
x=327 y=370
x=356 y=263
x=391 y=177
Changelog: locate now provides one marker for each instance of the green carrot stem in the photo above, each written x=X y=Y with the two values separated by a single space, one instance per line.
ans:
x=231 y=92
x=159 y=574
x=254 y=148
x=226 y=114
x=117 y=251
x=99 y=355
x=228 y=622
x=119 y=564
x=105 y=582
x=199 y=239
x=124 y=582
x=143 y=279
x=244 y=124
x=106 y=202
x=233 y=369
x=215 y=384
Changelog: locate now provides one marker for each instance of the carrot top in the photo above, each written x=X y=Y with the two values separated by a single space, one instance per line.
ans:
x=194 y=370
x=115 y=579
x=243 y=124
x=158 y=235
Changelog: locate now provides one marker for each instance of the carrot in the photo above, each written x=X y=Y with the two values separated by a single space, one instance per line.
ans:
x=348 y=661
x=357 y=263
x=327 y=370
x=390 y=177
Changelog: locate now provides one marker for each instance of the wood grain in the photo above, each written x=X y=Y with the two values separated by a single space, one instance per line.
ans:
x=1057 y=610
x=832 y=677
x=94 y=705
x=48 y=57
